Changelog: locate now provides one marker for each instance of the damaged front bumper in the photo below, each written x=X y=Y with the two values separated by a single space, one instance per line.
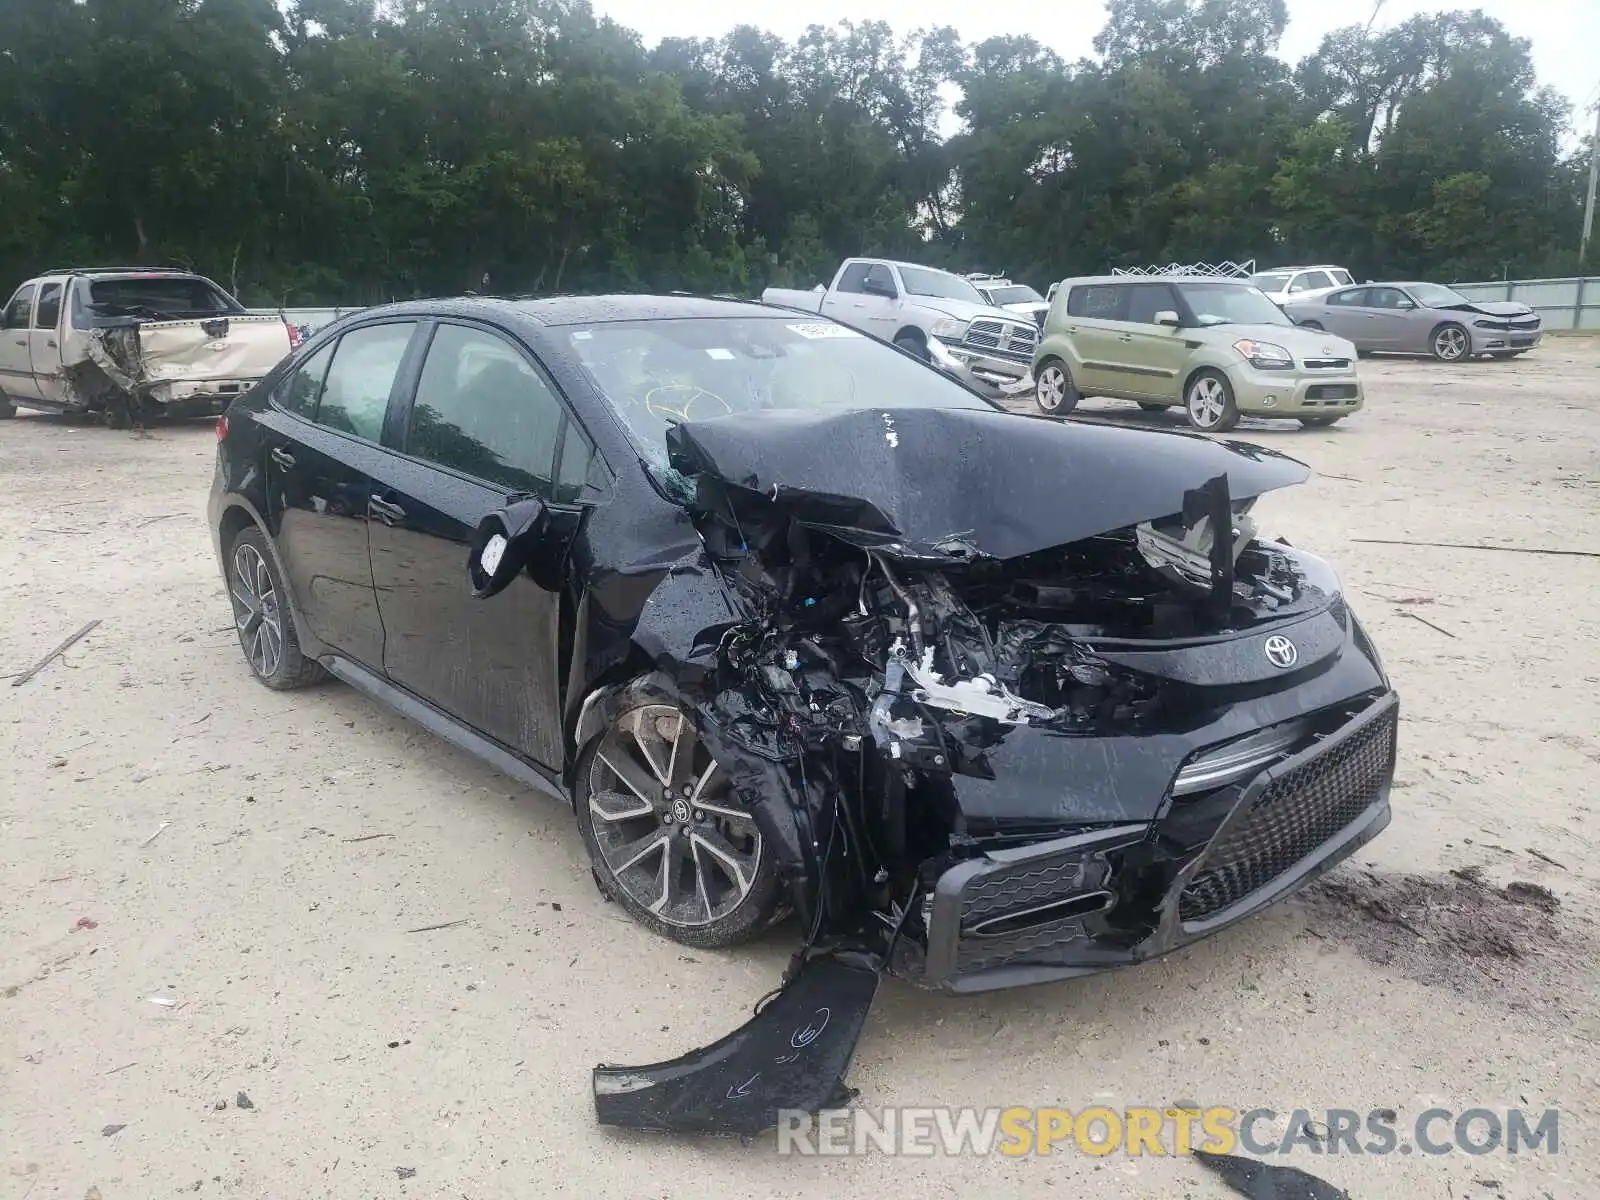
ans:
x=988 y=375
x=1077 y=905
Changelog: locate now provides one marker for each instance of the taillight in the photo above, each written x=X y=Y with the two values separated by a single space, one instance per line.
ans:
x=222 y=427
x=294 y=334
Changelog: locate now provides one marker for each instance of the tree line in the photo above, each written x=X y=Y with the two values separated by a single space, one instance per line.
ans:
x=352 y=151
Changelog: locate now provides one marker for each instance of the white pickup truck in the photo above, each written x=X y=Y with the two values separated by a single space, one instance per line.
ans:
x=933 y=314
x=130 y=342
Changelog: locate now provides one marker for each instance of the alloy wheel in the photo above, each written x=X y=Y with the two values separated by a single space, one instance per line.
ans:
x=665 y=821
x=256 y=611
x=1050 y=389
x=1207 y=401
x=1450 y=343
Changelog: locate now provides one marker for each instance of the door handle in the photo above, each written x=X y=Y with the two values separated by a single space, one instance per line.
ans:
x=386 y=512
x=283 y=458
x=51 y=342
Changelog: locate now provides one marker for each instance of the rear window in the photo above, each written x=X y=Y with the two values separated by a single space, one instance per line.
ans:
x=163 y=297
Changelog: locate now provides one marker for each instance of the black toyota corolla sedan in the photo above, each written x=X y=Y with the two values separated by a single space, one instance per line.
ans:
x=799 y=625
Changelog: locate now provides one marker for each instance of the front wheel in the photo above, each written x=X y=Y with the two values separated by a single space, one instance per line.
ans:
x=1450 y=342
x=1208 y=402
x=912 y=344
x=1053 y=389
x=667 y=837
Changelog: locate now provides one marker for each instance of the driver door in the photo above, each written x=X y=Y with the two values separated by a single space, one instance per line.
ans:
x=484 y=422
x=875 y=306
x=16 y=369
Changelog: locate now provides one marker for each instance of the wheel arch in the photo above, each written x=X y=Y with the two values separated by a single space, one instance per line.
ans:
x=914 y=332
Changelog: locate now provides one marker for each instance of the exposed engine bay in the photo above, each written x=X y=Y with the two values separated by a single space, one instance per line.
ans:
x=1005 y=758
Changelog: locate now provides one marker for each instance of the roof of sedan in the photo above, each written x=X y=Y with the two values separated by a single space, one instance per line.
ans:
x=591 y=310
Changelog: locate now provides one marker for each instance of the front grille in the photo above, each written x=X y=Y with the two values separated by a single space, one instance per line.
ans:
x=1326 y=364
x=1524 y=323
x=1026 y=886
x=1291 y=817
x=1006 y=337
x=1331 y=391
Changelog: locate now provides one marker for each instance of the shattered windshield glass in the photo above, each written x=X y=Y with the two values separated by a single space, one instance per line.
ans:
x=1231 y=304
x=660 y=373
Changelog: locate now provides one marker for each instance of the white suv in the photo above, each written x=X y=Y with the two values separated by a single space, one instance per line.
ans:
x=1283 y=284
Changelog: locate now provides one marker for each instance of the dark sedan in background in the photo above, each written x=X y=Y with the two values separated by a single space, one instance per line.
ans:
x=798 y=624
x=1421 y=318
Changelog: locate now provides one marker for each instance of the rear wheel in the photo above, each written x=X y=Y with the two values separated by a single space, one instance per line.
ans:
x=1053 y=389
x=1450 y=343
x=667 y=837
x=1208 y=402
x=261 y=614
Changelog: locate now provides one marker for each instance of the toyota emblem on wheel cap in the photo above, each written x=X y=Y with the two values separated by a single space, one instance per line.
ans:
x=1281 y=652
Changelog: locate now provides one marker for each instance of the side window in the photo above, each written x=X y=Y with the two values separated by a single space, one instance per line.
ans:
x=356 y=394
x=1388 y=297
x=576 y=457
x=1145 y=300
x=299 y=392
x=48 y=311
x=1098 y=301
x=881 y=280
x=1307 y=280
x=20 y=310
x=852 y=277
x=1351 y=298
x=482 y=409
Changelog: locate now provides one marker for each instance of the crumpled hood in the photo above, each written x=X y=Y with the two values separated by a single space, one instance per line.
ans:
x=947 y=483
x=1497 y=308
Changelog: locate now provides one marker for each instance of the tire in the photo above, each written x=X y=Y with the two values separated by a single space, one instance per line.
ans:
x=7 y=409
x=117 y=415
x=1320 y=422
x=1208 y=402
x=1152 y=408
x=912 y=344
x=262 y=618
x=1053 y=389
x=1450 y=342
x=689 y=869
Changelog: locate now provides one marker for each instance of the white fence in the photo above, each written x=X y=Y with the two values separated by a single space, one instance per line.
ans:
x=1562 y=303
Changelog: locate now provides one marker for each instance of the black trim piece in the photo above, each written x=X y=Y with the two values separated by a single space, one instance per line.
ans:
x=443 y=726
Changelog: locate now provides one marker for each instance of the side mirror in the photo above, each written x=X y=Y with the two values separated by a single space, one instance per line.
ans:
x=503 y=543
x=878 y=287
x=1167 y=317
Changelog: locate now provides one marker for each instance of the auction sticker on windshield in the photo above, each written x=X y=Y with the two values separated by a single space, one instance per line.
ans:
x=823 y=329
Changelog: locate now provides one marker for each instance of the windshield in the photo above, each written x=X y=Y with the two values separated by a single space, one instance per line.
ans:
x=921 y=281
x=1014 y=293
x=658 y=373
x=1230 y=304
x=1271 y=281
x=1436 y=295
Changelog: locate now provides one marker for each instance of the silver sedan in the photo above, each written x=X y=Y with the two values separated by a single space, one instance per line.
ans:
x=1421 y=318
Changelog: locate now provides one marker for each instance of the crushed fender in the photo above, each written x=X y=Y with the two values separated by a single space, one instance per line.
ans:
x=792 y=1055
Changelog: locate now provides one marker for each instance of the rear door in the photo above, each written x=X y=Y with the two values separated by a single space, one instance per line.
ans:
x=485 y=422
x=324 y=442
x=1095 y=326
x=876 y=312
x=1345 y=313
x=16 y=369
x=44 y=341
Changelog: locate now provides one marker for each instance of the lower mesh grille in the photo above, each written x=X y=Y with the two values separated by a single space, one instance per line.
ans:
x=1291 y=817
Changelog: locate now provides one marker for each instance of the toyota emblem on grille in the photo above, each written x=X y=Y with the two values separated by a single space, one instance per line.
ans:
x=1281 y=652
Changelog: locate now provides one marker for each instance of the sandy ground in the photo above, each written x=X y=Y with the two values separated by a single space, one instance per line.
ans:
x=258 y=859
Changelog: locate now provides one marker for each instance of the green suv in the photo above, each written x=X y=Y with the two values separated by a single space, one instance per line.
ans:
x=1218 y=347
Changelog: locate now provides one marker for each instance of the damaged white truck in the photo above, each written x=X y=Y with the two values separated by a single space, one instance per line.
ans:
x=131 y=343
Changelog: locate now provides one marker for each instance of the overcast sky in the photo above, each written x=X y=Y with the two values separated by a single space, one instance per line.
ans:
x=1565 y=33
